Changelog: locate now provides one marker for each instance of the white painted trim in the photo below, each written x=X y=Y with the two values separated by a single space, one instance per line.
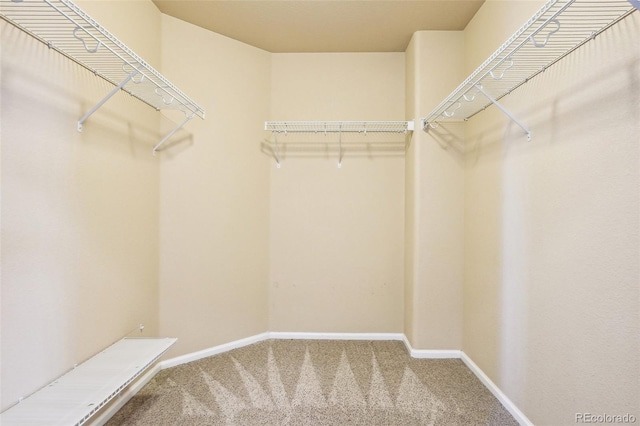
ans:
x=495 y=390
x=430 y=353
x=215 y=350
x=334 y=336
x=435 y=354
x=118 y=402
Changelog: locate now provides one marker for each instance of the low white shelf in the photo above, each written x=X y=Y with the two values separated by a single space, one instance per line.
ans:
x=76 y=396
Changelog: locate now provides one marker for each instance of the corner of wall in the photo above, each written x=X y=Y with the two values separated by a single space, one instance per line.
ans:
x=434 y=171
x=214 y=218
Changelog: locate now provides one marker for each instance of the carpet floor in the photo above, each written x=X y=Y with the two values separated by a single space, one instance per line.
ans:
x=315 y=382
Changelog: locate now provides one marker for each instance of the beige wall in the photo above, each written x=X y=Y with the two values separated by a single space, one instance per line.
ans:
x=435 y=199
x=214 y=204
x=79 y=210
x=492 y=25
x=336 y=255
x=411 y=82
x=525 y=255
x=551 y=292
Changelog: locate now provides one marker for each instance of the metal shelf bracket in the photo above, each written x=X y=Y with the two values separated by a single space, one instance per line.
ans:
x=276 y=153
x=171 y=133
x=106 y=98
x=507 y=113
x=340 y=147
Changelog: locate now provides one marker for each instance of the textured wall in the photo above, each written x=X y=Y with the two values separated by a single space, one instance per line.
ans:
x=79 y=210
x=214 y=207
x=336 y=234
x=435 y=199
x=552 y=232
x=523 y=254
x=411 y=82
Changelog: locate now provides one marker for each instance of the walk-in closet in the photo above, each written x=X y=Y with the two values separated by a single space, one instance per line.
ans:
x=303 y=212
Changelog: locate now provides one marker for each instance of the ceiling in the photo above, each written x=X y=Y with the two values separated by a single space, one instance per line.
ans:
x=323 y=25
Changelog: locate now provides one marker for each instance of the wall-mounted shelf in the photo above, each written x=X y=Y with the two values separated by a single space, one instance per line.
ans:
x=64 y=27
x=557 y=29
x=75 y=397
x=339 y=126
x=334 y=127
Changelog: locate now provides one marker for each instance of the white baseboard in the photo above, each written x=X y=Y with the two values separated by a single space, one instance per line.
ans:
x=118 y=402
x=430 y=353
x=334 y=336
x=415 y=353
x=215 y=350
x=434 y=354
x=495 y=390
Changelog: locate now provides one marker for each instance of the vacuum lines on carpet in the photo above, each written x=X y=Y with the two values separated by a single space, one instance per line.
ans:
x=315 y=382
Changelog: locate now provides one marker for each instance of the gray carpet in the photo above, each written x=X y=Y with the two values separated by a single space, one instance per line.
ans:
x=315 y=382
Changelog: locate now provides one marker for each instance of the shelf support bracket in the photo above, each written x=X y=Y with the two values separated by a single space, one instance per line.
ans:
x=340 y=148
x=276 y=153
x=171 y=133
x=504 y=110
x=106 y=98
x=427 y=125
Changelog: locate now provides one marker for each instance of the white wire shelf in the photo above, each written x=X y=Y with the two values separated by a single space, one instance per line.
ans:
x=66 y=28
x=333 y=127
x=72 y=399
x=363 y=127
x=556 y=30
